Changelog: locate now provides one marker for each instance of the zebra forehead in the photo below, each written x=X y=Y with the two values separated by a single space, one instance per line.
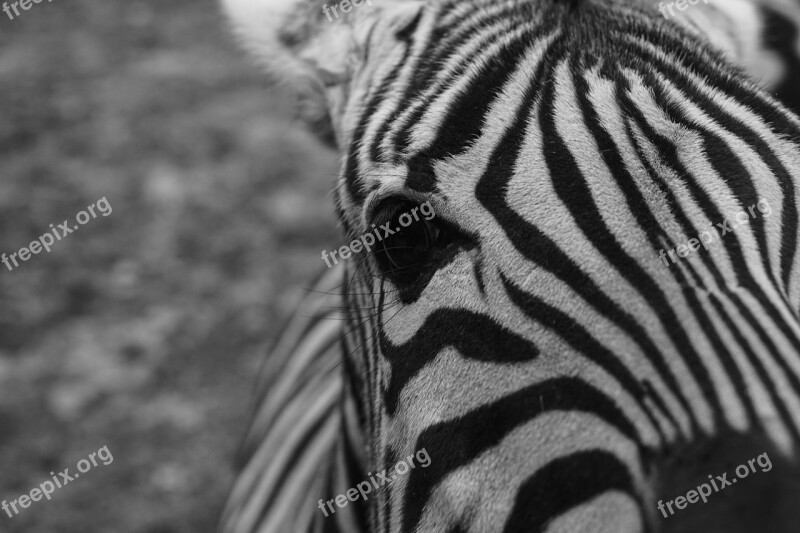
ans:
x=446 y=142
x=447 y=90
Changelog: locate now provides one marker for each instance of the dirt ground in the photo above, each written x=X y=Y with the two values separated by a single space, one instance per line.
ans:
x=143 y=330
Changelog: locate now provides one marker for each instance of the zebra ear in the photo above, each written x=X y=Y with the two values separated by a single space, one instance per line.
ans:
x=311 y=47
x=738 y=29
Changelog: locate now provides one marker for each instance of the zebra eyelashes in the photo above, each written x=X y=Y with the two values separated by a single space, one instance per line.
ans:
x=405 y=244
x=409 y=238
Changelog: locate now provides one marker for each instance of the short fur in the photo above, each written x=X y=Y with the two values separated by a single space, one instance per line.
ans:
x=561 y=377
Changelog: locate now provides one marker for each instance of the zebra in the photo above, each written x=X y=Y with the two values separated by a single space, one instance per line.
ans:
x=559 y=374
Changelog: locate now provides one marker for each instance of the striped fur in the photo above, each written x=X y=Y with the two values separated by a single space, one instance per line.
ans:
x=297 y=445
x=552 y=366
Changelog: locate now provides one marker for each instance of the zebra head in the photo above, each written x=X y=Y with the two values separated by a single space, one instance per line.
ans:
x=611 y=271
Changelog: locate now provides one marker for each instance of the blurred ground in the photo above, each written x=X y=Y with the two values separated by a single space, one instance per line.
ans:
x=144 y=330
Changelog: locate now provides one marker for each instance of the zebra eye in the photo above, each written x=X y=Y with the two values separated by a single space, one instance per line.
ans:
x=407 y=241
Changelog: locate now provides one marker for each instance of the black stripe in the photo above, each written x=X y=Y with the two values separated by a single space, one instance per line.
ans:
x=529 y=240
x=736 y=255
x=455 y=443
x=572 y=189
x=758 y=366
x=351 y=165
x=443 y=45
x=292 y=463
x=566 y=483
x=707 y=64
x=474 y=336
x=765 y=152
x=578 y=339
x=720 y=349
x=465 y=116
x=726 y=163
